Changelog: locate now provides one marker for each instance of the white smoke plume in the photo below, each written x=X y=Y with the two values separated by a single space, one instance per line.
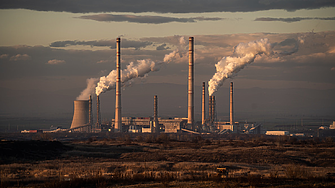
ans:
x=91 y=84
x=133 y=70
x=244 y=53
x=178 y=53
x=138 y=69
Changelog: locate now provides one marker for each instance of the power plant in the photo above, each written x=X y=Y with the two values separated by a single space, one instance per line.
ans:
x=83 y=116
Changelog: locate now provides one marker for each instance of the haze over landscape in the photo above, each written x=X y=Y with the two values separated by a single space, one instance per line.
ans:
x=49 y=49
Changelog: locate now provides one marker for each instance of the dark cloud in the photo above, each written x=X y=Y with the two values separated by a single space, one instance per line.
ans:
x=295 y=19
x=33 y=61
x=144 y=19
x=166 y=6
x=110 y=43
x=288 y=42
x=162 y=47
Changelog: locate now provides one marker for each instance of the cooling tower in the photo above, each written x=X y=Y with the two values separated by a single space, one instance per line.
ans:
x=190 y=120
x=118 y=119
x=80 y=114
x=231 y=104
x=203 y=111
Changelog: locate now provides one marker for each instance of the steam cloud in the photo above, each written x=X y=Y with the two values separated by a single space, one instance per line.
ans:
x=91 y=84
x=133 y=70
x=138 y=69
x=178 y=53
x=244 y=53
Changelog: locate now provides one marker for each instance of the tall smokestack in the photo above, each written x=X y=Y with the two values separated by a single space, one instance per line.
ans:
x=90 y=121
x=118 y=120
x=231 y=104
x=210 y=109
x=213 y=108
x=98 y=113
x=203 y=115
x=190 y=120
x=90 y=114
x=156 y=125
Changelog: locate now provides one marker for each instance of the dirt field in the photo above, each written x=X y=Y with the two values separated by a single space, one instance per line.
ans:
x=168 y=161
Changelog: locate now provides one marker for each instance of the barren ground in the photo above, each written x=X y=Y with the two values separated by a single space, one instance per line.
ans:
x=168 y=161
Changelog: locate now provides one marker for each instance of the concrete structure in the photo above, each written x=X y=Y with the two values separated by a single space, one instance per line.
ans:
x=210 y=110
x=203 y=111
x=332 y=126
x=173 y=125
x=213 y=109
x=118 y=121
x=190 y=120
x=147 y=129
x=249 y=127
x=90 y=113
x=140 y=124
x=277 y=133
x=238 y=127
x=98 y=114
x=156 y=127
x=231 y=104
x=225 y=127
x=80 y=119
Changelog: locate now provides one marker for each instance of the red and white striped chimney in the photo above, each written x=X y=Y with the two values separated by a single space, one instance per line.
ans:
x=231 y=104
x=156 y=124
x=118 y=119
x=98 y=113
x=210 y=109
x=213 y=108
x=203 y=114
x=190 y=120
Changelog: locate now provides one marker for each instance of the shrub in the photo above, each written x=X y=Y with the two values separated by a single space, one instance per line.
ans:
x=139 y=138
x=149 y=138
x=296 y=172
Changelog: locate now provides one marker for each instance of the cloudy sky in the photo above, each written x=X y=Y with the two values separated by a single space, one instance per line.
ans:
x=48 y=49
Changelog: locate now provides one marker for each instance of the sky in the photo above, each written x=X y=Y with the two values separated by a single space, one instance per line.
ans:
x=48 y=50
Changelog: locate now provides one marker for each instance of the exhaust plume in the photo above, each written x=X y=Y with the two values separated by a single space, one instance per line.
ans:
x=244 y=53
x=133 y=70
x=178 y=53
x=91 y=84
x=138 y=69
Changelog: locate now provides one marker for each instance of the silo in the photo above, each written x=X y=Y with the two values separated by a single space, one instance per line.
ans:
x=80 y=114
